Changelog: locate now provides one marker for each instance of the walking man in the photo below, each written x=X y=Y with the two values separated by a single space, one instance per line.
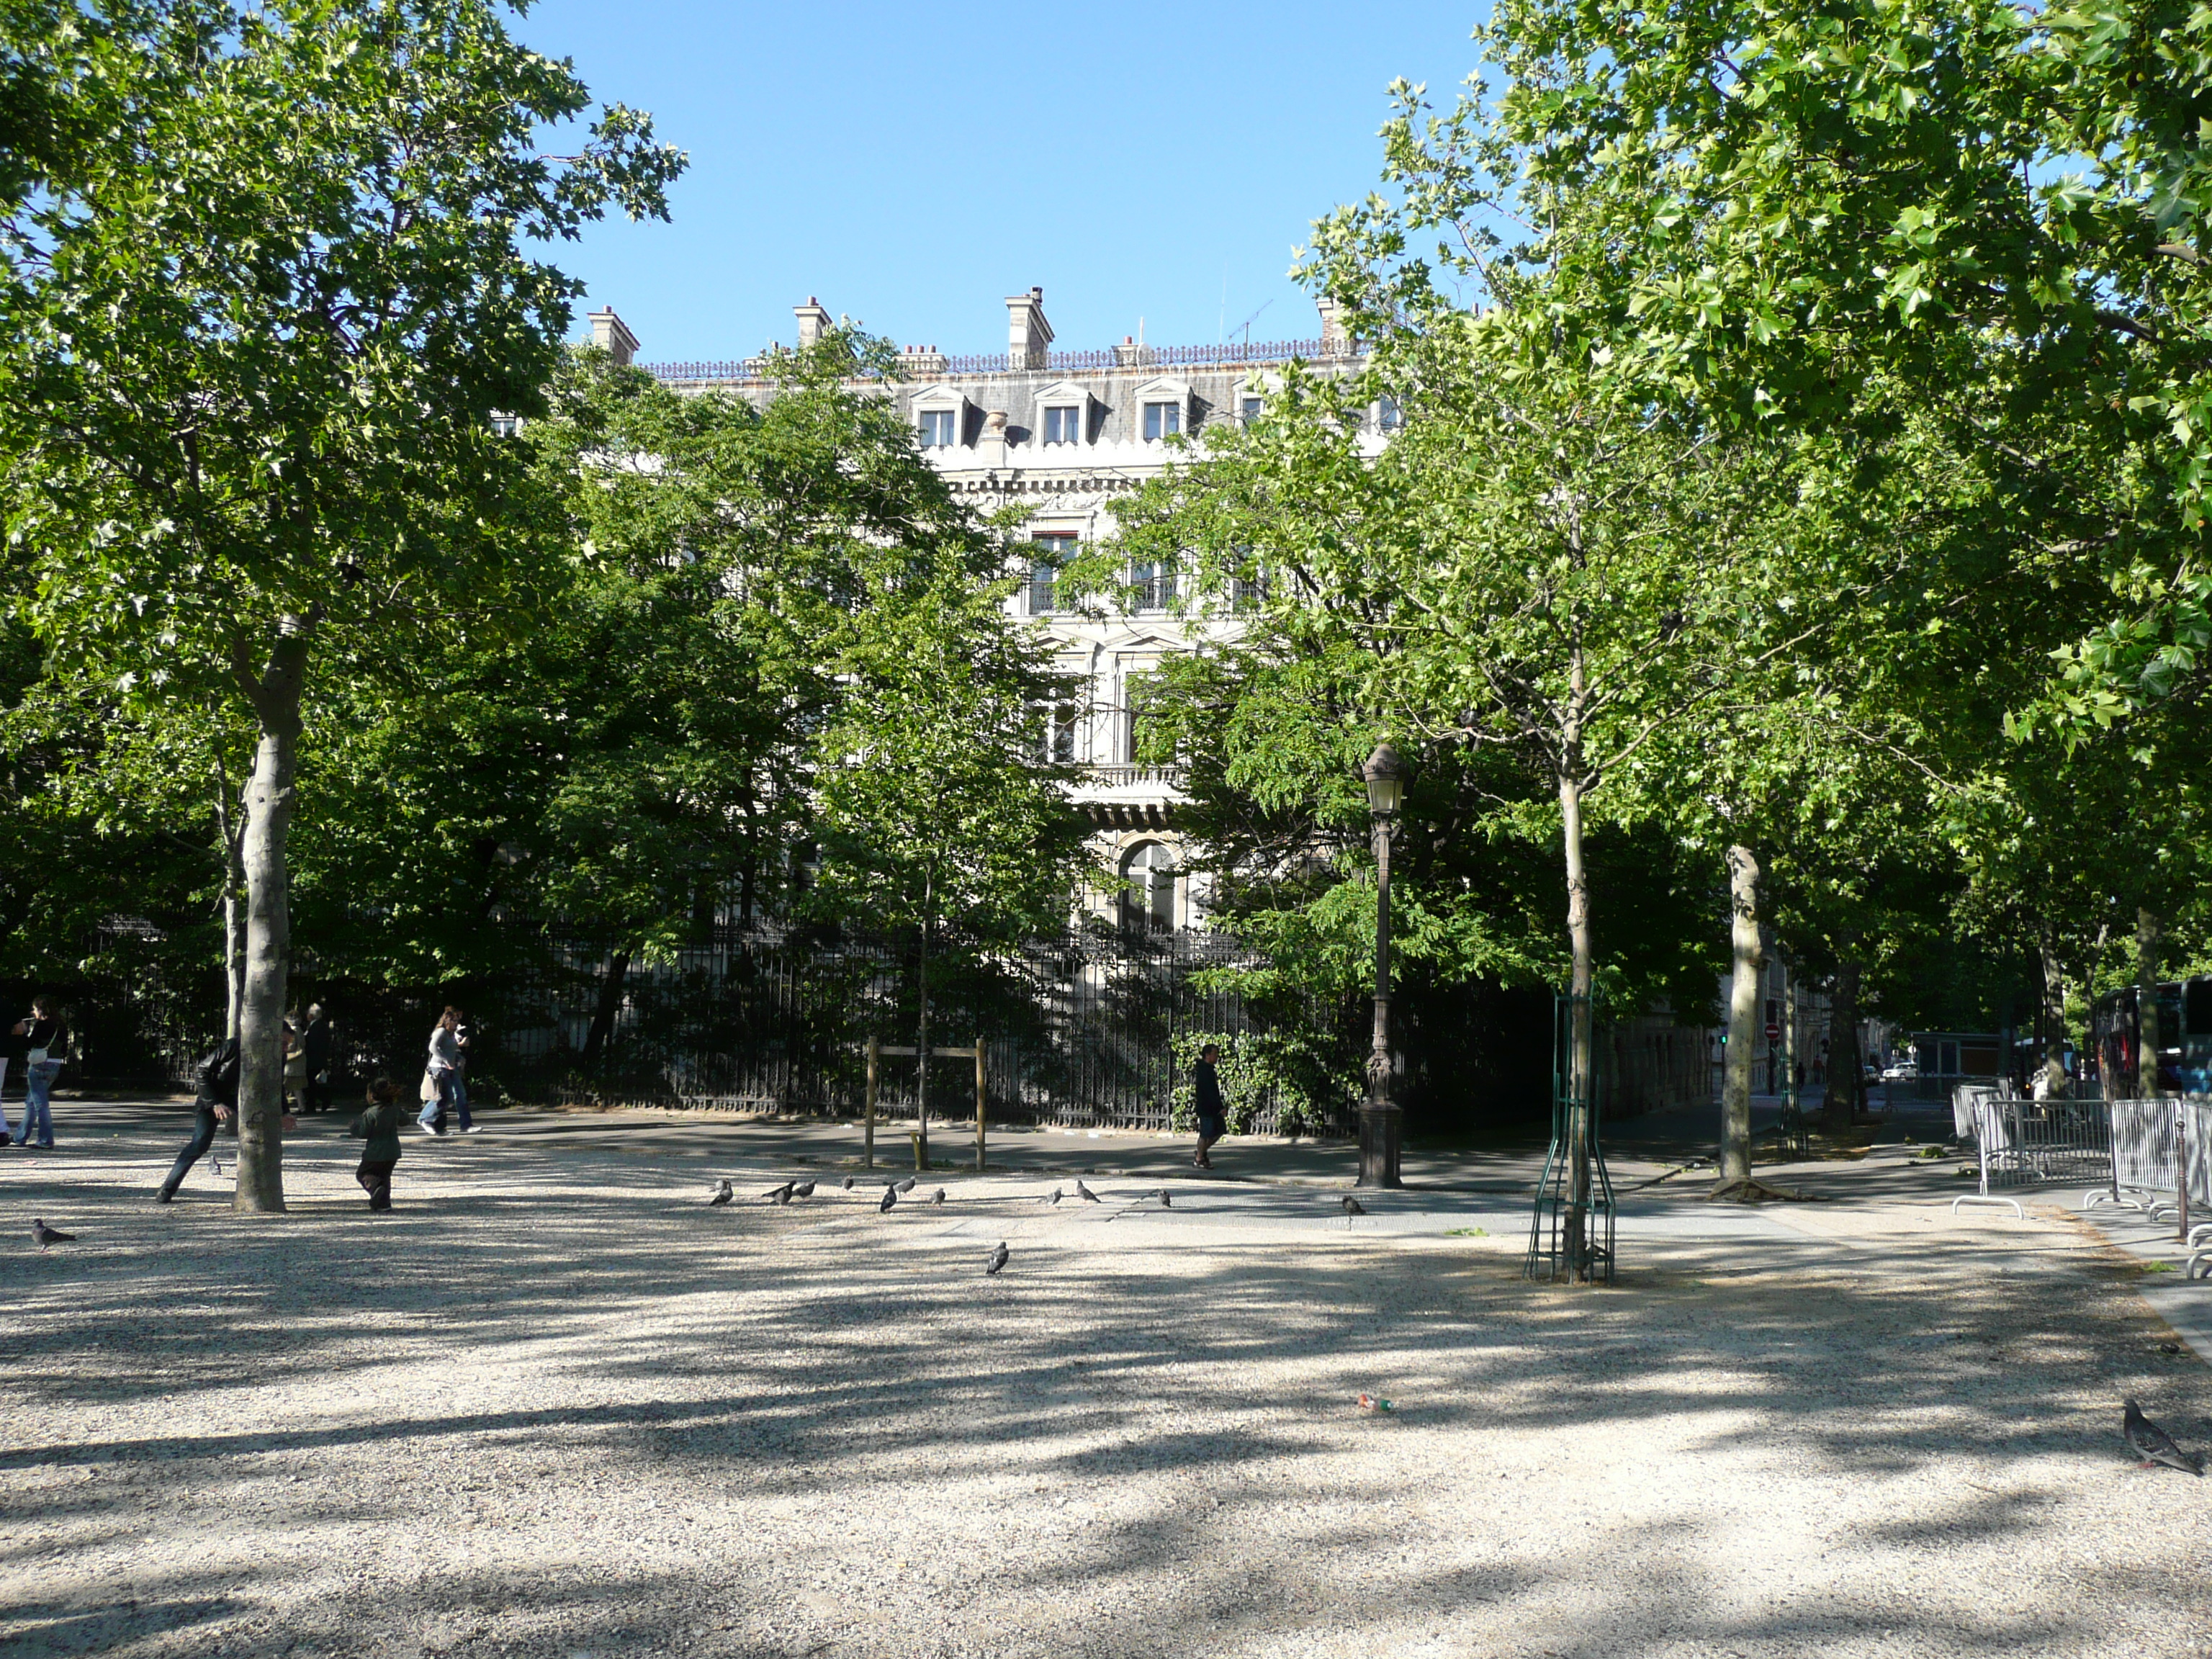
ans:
x=215 y=1084
x=315 y=1045
x=1206 y=1088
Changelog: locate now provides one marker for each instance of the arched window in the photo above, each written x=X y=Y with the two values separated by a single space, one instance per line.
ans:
x=1148 y=889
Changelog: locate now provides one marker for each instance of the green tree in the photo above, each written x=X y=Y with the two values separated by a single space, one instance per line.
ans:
x=256 y=322
x=937 y=813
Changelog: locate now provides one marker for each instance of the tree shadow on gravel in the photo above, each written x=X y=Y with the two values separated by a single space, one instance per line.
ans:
x=1082 y=1432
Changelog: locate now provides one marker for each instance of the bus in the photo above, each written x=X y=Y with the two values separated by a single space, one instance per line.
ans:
x=2184 y=1039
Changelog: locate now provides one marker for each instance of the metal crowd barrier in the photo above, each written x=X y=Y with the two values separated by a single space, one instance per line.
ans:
x=2026 y=1143
x=2162 y=1166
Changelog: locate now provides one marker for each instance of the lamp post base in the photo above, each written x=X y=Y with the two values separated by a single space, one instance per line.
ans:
x=1378 y=1145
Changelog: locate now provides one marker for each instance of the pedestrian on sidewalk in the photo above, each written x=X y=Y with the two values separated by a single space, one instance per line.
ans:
x=1206 y=1091
x=315 y=1047
x=46 y=1042
x=215 y=1088
x=463 y=1034
x=379 y=1127
x=444 y=1069
x=13 y=1049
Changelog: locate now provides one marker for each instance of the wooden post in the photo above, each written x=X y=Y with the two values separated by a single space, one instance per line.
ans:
x=980 y=1097
x=868 y=1115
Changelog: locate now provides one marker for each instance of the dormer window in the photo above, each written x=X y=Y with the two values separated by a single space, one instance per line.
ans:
x=1253 y=405
x=1386 y=414
x=1064 y=425
x=940 y=428
x=1162 y=421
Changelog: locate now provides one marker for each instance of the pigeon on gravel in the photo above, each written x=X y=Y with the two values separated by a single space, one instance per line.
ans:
x=939 y=1199
x=850 y=1180
x=804 y=1189
x=906 y=1186
x=1057 y=1195
x=47 y=1235
x=2154 y=1444
x=1085 y=1194
x=1353 y=1205
x=1167 y=1200
x=722 y=1195
x=780 y=1195
x=998 y=1258
x=891 y=1197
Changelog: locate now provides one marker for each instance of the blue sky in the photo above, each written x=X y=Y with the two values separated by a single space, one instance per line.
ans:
x=912 y=164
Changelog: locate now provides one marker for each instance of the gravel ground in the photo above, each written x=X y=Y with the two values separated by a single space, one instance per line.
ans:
x=555 y=1406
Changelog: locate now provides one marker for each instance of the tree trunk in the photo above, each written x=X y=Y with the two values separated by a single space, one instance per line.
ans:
x=1743 y=1017
x=230 y=837
x=2149 y=1037
x=271 y=793
x=1844 y=1063
x=602 y=1029
x=1582 y=1067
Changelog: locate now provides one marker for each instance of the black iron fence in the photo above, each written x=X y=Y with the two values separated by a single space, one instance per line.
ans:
x=1099 y=1028
x=1096 y=1028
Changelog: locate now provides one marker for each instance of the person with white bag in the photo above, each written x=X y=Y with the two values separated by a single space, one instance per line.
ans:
x=443 y=1073
x=48 y=1040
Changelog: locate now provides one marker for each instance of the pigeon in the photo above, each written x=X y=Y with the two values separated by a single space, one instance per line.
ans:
x=1352 y=1205
x=2147 y=1441
x=906 y=1186
x=848 y=1182
x=1167 y=1201
x=47 y=1235
x=998 y=1258
x=1057 y=1195
x=780 y=1195
x=891 y=1197
x=1085 y=1194
x=722 y=1195
x=939 y=1199
x=805 y=1190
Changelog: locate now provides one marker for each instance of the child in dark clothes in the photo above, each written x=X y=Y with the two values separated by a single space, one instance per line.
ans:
x=380 y=1127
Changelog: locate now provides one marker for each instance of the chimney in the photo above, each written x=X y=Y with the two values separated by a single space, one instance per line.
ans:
x=612 y=336
x=1333 y=343
x=1027 y=335
x=813 y=322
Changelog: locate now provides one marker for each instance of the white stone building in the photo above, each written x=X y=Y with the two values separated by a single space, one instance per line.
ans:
x=1064 y=433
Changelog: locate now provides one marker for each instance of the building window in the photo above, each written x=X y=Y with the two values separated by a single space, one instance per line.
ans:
x=1162 y=421
x=1247 y=594
x=1154 y=585
x=1048 y=552
x=1252 y=408
x=1064 y=426
x=507 y=426
x=1386 y=414
x=939 y=427
x=1148 y=878
x=1059 y=734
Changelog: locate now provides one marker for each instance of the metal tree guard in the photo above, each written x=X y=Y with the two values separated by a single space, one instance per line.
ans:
x=1571 y=1233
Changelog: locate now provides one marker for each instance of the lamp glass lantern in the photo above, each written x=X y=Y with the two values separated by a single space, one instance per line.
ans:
x=1385 y=775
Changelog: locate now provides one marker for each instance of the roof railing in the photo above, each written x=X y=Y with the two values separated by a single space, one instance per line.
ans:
x=1227 y=354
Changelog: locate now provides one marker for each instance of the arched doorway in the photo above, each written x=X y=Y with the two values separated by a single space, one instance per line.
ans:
x=1148 y=888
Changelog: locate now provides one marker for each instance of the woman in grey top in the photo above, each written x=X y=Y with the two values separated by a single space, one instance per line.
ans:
x=445 y=1070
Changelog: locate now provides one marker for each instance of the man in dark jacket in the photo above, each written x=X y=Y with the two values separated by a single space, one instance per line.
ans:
x=315 y=1045
x=215 y=1083
x=1212 y=1119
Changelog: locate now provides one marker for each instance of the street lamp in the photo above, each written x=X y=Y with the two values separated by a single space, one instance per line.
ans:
x=1385 y=775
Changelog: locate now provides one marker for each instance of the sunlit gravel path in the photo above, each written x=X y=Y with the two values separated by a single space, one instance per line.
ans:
x=556 y=1406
